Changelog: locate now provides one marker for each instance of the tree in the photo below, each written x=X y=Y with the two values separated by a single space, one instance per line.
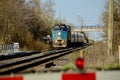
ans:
x=12 y=18
x=22 y=22
x=116 y=23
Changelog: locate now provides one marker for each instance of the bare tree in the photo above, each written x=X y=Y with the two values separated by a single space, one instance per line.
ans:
x=116 y=23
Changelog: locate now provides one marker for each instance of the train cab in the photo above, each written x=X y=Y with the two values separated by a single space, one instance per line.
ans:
x=59 y=35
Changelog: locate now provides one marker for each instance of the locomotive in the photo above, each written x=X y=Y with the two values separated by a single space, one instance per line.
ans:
x=62 y=36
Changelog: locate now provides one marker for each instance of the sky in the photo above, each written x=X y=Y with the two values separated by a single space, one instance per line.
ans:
x=88 y=10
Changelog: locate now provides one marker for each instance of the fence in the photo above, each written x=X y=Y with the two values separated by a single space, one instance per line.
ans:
x=6 y=49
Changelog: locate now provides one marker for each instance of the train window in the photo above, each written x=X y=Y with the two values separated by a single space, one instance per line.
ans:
x=56 y=28
x=64 y=28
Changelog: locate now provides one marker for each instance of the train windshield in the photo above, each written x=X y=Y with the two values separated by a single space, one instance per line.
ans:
x=62 y=28
x=56 y=28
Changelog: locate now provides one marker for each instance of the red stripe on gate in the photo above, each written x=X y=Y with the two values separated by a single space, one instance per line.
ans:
x=11 y=77
x=84 y=76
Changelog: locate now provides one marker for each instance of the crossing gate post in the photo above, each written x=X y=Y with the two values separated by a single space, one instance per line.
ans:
x=119 y=53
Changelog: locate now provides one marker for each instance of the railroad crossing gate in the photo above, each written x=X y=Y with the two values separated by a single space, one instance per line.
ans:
x=66 y=76
x=11 y=78
x=75 y=76
x=99 y=75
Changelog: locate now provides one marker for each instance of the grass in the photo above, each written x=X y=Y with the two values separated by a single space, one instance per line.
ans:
x=110 y=67
x=107 y=67
x=66 y=67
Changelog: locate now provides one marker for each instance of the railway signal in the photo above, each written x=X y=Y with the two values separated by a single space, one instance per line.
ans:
x=82 y=75
x=80 y=63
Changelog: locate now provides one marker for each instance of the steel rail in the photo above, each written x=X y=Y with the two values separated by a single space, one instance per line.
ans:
x=10 y=66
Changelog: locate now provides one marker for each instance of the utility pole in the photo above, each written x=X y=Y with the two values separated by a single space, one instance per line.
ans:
x=110 y=28
x=80 y=22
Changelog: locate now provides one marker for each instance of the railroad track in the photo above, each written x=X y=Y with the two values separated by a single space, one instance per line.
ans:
x=26 y=62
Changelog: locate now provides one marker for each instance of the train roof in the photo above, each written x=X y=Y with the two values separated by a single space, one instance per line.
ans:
x=61 y=26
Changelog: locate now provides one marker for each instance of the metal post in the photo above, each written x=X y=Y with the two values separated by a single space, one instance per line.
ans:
x=81 y=54
x=110 y=27
x=80 y=22
x=119 y=53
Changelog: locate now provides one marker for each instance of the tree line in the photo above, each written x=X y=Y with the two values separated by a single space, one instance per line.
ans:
x=96 y=56
x=116 y=23
x=26 y=22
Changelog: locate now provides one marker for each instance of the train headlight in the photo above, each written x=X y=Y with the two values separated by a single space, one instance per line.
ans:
x=63 y=41
x=55 y=41
x=59 y=33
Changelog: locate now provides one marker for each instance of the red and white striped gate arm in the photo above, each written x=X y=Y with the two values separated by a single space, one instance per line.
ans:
x=99 y=75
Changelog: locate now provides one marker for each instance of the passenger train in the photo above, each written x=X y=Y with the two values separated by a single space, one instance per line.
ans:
x=62 y=36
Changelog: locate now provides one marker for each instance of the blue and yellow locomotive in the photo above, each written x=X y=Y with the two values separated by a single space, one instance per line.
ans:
x=60 y=35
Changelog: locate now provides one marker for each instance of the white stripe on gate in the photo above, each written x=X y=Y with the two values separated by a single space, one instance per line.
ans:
x=100 y=75
x=108 y=75
x=43 y=76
